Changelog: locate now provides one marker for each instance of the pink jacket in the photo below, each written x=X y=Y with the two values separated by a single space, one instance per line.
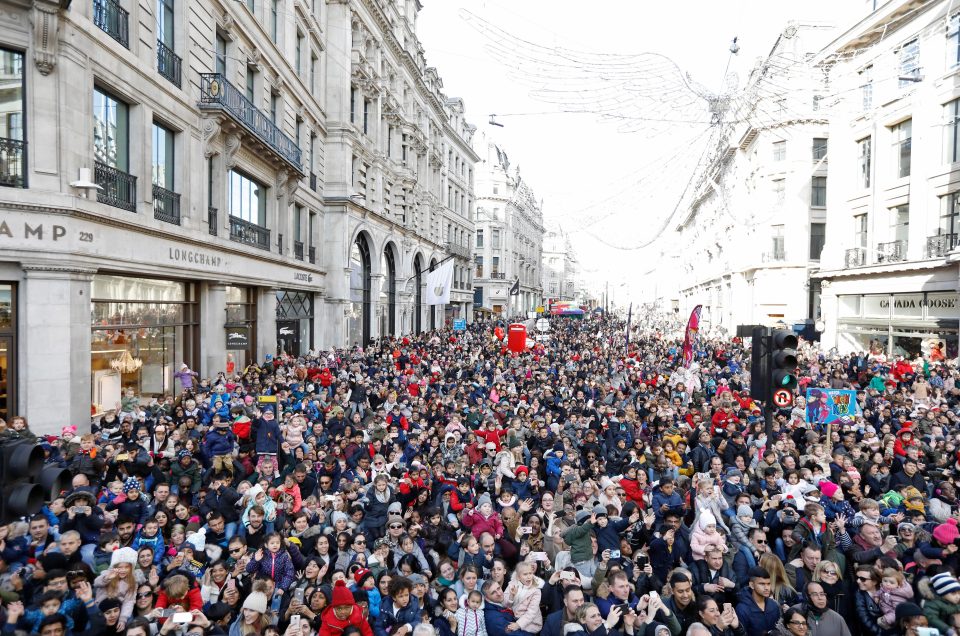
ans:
x=700 y=541
x=479 y=524
x=526 y=607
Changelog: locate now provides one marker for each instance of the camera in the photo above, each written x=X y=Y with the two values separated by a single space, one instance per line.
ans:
x=614 y=554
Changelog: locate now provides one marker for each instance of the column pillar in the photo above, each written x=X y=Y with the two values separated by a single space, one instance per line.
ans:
x=55 y=346
x=213 y=319
x=266 y=322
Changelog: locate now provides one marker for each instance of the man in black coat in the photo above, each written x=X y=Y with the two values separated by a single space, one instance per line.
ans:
x=223 y=499
x=572 y=600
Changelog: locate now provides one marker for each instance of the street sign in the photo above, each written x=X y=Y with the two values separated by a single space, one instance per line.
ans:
x=460 y=324
x=783 y=397
x=540 y=309
x=543 y=325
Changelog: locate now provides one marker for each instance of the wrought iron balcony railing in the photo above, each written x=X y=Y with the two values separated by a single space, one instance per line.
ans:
x=119 y=188
x=498 y=275
x=459 y=250
x=939 y=245
x=216 y=93
x=166 y=205
x=13 y=163
x=168 y=63
x=855 y=257
x=212 y=221
x=112 y=20
x=249 y=234
x=298 y=250
x=312 y=255
x=891 y=252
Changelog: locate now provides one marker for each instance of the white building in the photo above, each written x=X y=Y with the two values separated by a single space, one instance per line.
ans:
x=184 y=184
x=509 y=235
x=398 y=179
x=752 y=230
x=561 y=270
x=889 y=270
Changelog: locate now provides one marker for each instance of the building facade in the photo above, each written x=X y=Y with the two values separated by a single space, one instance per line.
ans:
x=561 y=270
x=179 y=186
x=753 y=228
x=509 y=235
x=890 y=266
x=398 y=187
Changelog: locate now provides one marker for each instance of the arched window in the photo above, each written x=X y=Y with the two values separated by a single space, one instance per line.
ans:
x=388 y=294
x=433 y=308
x=359 y=323
x=418 y=296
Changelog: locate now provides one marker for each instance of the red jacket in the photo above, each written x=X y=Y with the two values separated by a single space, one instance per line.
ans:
x=330 y=625
x=491 y=436
x=193 y=600
x=722 y=420
x=633 y=491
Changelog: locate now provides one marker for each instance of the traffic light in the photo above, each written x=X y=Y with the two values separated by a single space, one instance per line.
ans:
x=783 y=360
x=25 y=484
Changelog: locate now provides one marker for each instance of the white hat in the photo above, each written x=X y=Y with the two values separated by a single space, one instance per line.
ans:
x=198 y=540
x=256 y=601
x=255 y=490
x=123 y=555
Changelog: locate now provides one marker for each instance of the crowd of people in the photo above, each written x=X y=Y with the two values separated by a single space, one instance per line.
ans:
x=440 y=484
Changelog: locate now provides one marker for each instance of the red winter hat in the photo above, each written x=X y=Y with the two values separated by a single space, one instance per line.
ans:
x=360 y=575
x=341 y=595
x=522 y=469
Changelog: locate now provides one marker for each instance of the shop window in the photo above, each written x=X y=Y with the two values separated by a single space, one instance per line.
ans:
x=143 y=329
x=8 y=350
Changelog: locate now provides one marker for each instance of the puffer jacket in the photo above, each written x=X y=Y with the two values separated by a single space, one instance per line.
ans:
x=478 y=524
x=526 y=607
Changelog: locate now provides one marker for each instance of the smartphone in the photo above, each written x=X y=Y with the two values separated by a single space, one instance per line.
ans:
x=624 y=607
x=642 y=560
x=166 y=613
x=182 y=617
x=614 y=554
x=727 y=607
x=567 y=576
x=298 y=596
x=526 y=530
x=295 y=622
x=540 y=556
x=231 y=584
x=329 y=497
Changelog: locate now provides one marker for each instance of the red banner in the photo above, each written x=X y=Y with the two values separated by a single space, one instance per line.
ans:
x=690 y=337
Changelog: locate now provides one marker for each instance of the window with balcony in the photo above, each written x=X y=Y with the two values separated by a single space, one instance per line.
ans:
x=480 y=238
x=952 y=129
x=818 y=192
x=478 y=266
x=777 y=252
x=818 y=236
x=274 y=106
x=860 y=230
x=953 y=41
x=496 y=266
x=779 y=150
x=251 y=85
x=247 y=201
x=168 y=62
x=902 y=140
x=909 y=55
x=13 y=143
x=166 y=202
x=311 y=232
x=866 y=87
x=111 y=133
x=221 y=55
x=819 y=148
x=113 y=20
x=864 y=151
x=896 y=250
x=948 y=229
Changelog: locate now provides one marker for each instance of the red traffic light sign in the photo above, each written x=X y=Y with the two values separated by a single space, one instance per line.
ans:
x=783 y=397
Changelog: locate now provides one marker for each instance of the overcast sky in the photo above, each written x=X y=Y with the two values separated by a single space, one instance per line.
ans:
x=596 y=181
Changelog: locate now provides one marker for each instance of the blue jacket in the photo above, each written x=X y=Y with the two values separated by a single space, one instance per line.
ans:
x=219 y=441
x=390 y=619
x=674 y=502
x=756 y=621
x=497 y=617
x=268 y=437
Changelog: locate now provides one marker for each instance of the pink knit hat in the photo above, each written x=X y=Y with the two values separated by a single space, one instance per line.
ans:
x=828 y=488
x=947 y=533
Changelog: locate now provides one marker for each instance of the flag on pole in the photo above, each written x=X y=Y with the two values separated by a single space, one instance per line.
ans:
x=690 y=337
x=439 y=282
x=515 y=289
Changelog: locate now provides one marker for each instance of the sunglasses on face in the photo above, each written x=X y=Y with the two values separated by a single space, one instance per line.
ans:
x=395 y=526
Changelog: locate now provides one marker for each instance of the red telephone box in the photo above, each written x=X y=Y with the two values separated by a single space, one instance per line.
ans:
x=517 y=339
